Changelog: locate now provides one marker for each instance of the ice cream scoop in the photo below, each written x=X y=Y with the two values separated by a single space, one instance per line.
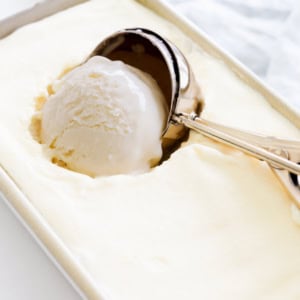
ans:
x=151 y=53
x=104 y=118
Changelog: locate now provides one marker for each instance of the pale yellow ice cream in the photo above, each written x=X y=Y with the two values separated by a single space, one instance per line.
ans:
x=104 y=118
x=209 y=223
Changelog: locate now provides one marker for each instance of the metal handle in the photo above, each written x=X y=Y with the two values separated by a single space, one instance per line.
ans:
x=267 y=142
x=196 y=123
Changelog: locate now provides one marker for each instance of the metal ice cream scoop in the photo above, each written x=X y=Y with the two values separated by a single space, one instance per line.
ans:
x=148 y=51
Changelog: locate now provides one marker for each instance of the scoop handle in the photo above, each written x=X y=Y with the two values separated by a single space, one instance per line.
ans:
x=199 y=125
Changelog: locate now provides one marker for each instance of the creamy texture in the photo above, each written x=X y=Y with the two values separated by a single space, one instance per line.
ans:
x=209 y=223
x=104 y=118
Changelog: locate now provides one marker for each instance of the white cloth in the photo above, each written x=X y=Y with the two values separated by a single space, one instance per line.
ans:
x=263 y=35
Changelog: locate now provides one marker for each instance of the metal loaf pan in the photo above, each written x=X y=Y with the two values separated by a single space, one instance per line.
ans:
x=22 y=207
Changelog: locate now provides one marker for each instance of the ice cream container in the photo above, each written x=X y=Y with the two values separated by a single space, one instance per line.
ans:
x=28 y=214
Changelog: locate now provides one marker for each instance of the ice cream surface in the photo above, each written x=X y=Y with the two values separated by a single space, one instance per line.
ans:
x=104 y=118
x=209 y=223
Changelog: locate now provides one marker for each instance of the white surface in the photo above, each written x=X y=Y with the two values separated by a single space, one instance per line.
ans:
x=9 y=7
x=264 y=35
x=25 y=272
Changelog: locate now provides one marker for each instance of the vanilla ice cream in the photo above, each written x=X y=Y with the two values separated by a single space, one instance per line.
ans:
x=104 y=118
x=208 y=223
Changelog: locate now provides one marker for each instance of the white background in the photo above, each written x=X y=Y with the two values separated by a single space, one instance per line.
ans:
x=25 y=271
x=262 y=34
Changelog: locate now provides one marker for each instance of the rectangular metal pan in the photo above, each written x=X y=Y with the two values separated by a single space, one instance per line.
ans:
x=23 y=208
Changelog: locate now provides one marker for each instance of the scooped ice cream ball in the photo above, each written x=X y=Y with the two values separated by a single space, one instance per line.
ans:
x=104 y=118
